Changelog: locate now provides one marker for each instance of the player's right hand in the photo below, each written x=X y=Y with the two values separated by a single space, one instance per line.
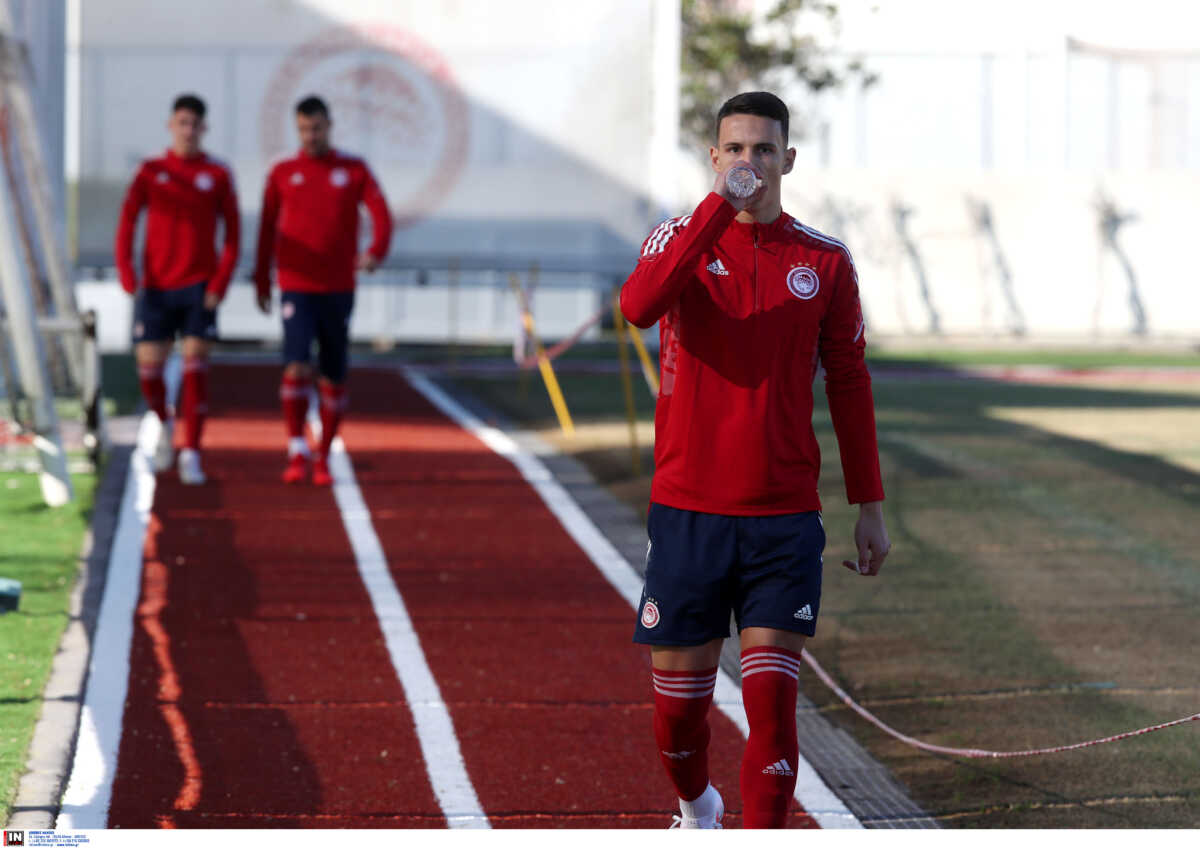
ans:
x=740 y=203
x=264 y=303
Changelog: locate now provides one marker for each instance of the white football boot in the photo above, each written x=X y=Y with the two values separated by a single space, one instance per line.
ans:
x=164 y=448
x=190 y=472
x=702 y=814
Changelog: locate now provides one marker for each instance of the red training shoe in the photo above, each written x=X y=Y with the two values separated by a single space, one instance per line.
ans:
x=297 y=469
x=320 y=472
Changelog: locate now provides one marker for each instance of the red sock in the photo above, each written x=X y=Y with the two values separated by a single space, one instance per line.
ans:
x=194 y=399
x=294 y=394
x=333 y=407
x=769 y=765
x=681 y=701
x=154 y=390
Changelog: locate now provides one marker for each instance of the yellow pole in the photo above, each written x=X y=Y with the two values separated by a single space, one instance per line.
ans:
x=552 y=389
x=627 y=384
x=521 y=353
x=648 y=369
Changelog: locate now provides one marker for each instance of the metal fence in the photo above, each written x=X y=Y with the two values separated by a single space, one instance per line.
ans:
x=411 y=298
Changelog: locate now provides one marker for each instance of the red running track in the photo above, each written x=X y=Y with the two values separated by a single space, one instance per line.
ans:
x=261 y=692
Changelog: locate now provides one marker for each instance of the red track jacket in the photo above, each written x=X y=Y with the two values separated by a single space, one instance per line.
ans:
x=746 y=311
x=310 y=222
x=184 y=195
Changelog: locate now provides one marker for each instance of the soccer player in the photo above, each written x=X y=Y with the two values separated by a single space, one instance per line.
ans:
x=748 y=301
x=182 y=281
x=309 y=229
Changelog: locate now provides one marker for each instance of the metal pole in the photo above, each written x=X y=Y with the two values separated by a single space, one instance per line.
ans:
x=12 y=389
x=987 y=131
x=57 y=346
x=96 y=437
x=18 y=97
x=31 y=356
x=1114 y=115
x=552 y=388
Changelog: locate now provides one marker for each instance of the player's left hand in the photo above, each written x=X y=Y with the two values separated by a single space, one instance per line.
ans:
x=211 y=300
x=871 y=539
x=366 y=262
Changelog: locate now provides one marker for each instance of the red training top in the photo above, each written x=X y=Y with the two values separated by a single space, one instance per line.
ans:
x=310 y=222
x=185 y=195
x=746 y=311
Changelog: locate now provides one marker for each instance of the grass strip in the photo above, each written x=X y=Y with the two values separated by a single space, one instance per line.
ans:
x=41 y=550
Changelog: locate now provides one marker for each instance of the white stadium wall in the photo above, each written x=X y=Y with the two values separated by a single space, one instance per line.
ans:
x=1073 y=126
x=1045 y=269
x=502 y=133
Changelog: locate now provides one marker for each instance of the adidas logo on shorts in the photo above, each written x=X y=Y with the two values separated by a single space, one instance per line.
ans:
x=804 y=613
x=780 y=768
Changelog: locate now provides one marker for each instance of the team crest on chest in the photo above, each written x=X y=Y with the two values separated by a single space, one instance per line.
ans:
x=203 y=181
x=297 y=178
x=803 y=282
x=339 y=177
x=162 y=178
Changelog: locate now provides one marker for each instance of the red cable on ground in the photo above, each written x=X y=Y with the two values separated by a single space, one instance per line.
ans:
x=975 y=753
x=530 y=362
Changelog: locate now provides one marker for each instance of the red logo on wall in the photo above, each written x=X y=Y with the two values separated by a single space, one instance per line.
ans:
x=393 y=101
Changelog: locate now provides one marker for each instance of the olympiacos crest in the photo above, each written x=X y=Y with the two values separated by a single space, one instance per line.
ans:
x=803 y=282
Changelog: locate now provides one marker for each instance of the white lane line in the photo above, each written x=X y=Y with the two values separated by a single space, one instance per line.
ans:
x=89 y=789
x=826 y=808
x=435 y=730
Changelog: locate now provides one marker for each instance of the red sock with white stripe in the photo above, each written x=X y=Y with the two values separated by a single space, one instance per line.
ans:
x=333 y=407
x=293 y=393
x=769 y=765
x=194 y=399
x=681 y=702
x=154 y=390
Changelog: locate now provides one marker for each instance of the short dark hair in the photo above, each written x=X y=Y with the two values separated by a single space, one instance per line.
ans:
x=190 y=102
x=312 y=106
x=762 y=103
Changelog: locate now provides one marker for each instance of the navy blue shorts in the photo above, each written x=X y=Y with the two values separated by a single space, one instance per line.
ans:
x=766 y=569
x=324 y=318
x=160 y=314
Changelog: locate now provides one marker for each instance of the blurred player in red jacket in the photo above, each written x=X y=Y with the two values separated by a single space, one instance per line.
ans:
x=181 y=281
x=309 y=230
x=749 y=301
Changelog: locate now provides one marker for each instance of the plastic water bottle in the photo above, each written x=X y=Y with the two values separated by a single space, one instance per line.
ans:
x=741 y=181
